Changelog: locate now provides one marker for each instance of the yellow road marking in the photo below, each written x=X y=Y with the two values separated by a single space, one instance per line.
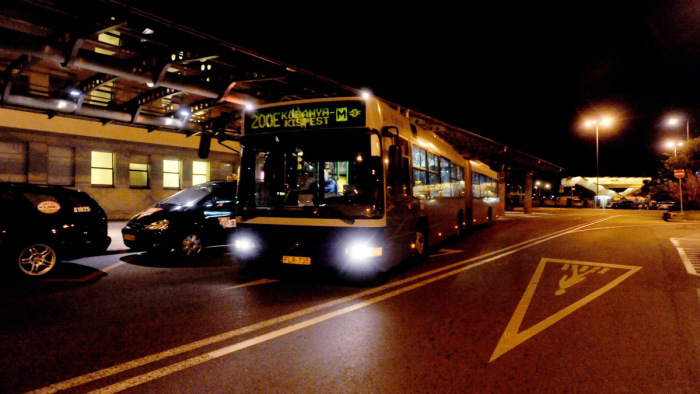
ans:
x=452 y=269
x=512 y=337
x=443 y=252
x=253 y=283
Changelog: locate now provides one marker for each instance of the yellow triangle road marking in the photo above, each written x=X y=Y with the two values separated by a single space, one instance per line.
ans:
x=572 y=274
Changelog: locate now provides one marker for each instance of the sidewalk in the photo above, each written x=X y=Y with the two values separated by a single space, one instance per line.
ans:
x=114 y=230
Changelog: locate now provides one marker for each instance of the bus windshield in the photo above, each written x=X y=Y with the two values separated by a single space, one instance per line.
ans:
x=329 y=174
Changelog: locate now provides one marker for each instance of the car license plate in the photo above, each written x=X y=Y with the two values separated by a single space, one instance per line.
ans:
x=129 y=237
x=298 y=260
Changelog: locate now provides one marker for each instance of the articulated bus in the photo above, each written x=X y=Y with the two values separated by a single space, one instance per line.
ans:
x=351 y=184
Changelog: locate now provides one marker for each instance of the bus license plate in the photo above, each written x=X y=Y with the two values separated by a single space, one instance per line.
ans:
x=298 y=260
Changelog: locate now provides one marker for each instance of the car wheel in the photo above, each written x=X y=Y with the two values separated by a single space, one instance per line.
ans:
x=36 y=259
x=190 y=245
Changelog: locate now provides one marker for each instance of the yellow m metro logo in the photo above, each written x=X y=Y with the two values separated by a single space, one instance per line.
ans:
x=341 y=114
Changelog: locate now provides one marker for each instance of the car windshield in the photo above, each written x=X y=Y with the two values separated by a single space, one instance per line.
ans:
x=329 y=174
x=189 y=196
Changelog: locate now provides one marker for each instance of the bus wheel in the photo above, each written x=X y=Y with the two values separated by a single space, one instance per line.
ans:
x=422 y=242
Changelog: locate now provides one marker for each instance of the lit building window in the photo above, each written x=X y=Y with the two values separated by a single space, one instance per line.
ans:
x=102 y=168
x=138 y=175
x=172 y=171
x=200 y=172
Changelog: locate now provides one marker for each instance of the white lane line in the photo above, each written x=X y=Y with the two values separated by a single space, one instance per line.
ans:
x=253 y=283
x=640 y=225
x=113 y=266
x=488 y=257
x=688 y=251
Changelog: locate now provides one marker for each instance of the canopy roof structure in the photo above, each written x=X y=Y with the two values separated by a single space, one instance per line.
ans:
x=605 y=185
x=108 y=62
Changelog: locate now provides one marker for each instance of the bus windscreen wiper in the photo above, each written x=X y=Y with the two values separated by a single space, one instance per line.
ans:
x=335 y=213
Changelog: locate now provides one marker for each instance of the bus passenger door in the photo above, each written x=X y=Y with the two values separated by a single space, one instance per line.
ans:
x=403 y=209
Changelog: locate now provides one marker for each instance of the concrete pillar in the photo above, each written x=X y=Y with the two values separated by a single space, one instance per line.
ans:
x=527 y=201
x=502 y=193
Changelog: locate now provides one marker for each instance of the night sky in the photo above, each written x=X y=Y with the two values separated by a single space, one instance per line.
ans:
x=524 y=74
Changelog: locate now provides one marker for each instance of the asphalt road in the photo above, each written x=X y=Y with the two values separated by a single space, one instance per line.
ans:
x=563 y=300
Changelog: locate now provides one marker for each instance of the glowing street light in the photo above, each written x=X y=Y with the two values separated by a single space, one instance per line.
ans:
x=676 y=120
x=597 y=123
x=674 y=145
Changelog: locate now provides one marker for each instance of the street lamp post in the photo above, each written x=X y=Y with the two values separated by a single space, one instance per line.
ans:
x=675 y=145
x=678 y=173
x=597 y=123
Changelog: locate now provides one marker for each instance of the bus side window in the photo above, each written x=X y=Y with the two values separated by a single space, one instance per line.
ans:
x=476 y=185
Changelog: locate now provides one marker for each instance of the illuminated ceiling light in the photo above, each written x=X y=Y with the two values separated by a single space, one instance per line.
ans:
x=184 y=112
x=74 y=92
x=147 y=31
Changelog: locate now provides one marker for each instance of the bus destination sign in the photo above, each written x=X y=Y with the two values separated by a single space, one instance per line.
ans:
x=309 y=116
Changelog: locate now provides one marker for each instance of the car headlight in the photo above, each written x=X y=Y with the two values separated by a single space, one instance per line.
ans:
x=159 y=225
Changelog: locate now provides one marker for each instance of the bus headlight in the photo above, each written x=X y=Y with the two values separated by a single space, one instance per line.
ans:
x=244 y=244
x=361 y=251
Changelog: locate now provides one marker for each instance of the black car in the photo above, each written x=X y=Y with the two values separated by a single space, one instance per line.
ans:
x=41 y=225
x=626 y=204
x=187 y=222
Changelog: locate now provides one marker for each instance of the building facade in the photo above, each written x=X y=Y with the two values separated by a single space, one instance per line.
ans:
x=126 y=169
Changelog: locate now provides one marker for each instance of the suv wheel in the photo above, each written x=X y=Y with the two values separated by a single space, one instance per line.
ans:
x=36 y=259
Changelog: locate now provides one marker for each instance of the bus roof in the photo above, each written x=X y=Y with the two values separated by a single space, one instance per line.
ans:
x=482 y=168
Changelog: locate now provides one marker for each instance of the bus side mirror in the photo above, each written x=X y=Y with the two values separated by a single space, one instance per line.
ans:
x=204 y=145
x=390 y=131
x=395 y=156
x=396 y=170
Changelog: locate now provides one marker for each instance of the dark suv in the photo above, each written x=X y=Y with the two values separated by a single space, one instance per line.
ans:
x=187 y=222
x=40 y=225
